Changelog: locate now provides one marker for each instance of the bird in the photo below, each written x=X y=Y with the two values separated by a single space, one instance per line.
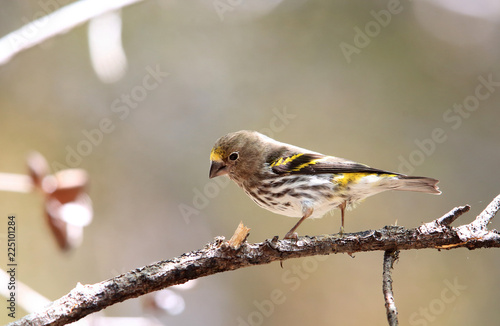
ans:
x=296 y=182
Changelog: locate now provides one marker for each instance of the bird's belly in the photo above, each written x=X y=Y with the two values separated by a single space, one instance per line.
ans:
x=294 y=207
x=290 y=195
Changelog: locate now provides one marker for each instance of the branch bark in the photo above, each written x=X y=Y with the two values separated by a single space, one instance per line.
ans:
x=218 y=256
x=390 y=256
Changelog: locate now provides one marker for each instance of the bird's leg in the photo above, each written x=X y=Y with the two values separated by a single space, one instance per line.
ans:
x=342 y=209
x=292 y=234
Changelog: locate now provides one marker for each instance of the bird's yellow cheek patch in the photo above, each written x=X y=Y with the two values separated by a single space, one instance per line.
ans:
x=216 y=154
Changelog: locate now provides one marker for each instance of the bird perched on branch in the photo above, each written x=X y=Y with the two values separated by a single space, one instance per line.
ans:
x=297 y=182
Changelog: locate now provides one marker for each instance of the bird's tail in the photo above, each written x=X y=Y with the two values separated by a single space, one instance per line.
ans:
x=419 y=184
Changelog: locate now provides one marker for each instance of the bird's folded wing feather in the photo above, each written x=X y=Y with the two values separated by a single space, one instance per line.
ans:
x=312 y=163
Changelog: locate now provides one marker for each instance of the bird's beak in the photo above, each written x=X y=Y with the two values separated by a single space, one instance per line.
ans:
x=217 y=168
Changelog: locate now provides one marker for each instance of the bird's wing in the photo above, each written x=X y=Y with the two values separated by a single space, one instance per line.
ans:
x=313 y=163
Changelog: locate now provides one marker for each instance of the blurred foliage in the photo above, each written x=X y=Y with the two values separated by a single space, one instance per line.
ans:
x=280 y=68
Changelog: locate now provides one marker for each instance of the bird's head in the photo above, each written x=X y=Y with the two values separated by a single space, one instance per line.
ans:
x=237 y=154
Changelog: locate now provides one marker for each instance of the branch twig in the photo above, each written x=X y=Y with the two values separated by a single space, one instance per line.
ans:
x=390 y=256
x=478 y=229
x=219 y=257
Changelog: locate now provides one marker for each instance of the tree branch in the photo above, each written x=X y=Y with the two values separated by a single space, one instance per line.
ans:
x=390 y=256
x=218 y=256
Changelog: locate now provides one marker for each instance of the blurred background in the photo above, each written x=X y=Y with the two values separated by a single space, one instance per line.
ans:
x=137 y=98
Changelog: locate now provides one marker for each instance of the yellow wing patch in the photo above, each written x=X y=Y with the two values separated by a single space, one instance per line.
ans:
x=311 y=162
x=344 y=179
x=283 y=161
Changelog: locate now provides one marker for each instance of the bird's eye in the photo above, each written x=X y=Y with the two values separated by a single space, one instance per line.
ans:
x=233 y=156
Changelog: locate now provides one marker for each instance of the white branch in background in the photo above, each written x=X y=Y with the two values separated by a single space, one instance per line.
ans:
x=15 y=182
x=57 y=22
x=105 y=45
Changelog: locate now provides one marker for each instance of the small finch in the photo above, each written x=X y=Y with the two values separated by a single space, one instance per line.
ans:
x=297 y=182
